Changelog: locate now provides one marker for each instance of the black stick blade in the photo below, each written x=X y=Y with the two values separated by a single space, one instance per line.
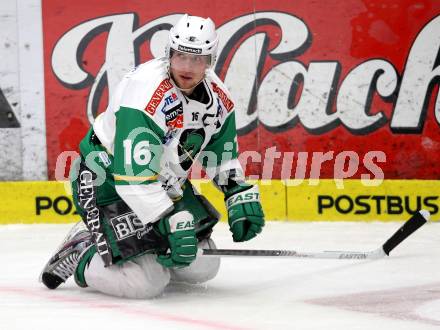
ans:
x=417 y=220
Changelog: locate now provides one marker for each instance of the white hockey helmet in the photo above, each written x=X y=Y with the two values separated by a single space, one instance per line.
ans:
x=193 y=35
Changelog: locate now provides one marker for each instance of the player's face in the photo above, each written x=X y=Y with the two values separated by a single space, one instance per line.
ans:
x=188 y=70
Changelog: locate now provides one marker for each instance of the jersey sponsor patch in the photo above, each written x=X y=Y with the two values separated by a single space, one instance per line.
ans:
x=169 y=100
x=87 y=201
x=126 y=225
x=158 y=95
x=172 y=98
x=174 y=116
x=229 y=105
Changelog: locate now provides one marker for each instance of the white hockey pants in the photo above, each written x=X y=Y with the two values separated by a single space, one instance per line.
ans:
x=143 y=277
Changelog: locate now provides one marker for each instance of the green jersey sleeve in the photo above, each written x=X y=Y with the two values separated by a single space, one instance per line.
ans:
x=222 y=148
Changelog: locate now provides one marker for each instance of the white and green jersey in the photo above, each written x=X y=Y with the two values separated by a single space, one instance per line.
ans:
x=155 y=133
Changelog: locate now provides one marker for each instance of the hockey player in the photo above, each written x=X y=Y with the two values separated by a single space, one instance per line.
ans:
x=143 y=221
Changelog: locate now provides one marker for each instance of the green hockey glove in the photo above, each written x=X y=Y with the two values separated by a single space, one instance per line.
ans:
x=245 y=215
x=179 y=230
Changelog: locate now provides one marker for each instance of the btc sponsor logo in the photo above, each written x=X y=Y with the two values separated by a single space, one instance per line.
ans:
x=168 y=100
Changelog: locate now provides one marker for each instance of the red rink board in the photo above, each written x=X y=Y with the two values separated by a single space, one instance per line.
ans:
x=346 y=36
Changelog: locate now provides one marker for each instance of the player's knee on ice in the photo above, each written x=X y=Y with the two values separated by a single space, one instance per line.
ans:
x=141 y=278
x=200 y=270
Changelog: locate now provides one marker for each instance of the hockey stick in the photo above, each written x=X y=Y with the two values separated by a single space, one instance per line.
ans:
x=417 y=220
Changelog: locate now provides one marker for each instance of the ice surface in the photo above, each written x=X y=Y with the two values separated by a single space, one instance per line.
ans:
x=397 y=292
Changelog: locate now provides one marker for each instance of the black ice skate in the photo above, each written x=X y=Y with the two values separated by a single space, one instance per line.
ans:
x=63 y=263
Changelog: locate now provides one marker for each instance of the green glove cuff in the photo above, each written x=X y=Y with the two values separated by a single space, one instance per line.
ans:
x=245 y=215
x=176 y=222
x=239 y=187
